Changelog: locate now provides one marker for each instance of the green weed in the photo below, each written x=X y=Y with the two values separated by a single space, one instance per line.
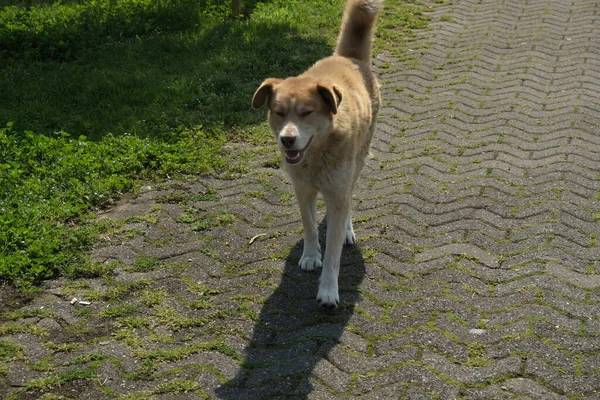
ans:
x=51 y=183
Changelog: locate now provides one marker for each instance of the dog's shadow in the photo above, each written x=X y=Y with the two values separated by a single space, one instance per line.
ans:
x=293 y=333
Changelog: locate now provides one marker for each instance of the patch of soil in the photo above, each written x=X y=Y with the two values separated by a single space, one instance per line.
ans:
x=12 y=298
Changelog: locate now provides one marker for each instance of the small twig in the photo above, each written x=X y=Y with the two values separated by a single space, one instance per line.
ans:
x=256 y=237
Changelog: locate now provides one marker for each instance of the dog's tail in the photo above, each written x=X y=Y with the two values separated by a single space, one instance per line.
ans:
x=358 y=25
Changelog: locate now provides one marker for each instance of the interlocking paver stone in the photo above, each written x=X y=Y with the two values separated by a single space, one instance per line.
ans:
x=477 y=269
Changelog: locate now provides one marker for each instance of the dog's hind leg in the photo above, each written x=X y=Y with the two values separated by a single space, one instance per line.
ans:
x=338 y=209
x=311 y=254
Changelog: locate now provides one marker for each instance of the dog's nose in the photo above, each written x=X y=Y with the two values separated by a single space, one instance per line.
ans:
x=288 y=141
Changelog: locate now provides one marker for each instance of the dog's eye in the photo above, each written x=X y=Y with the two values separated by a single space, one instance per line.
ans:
x=306 y=113
x=280 y=113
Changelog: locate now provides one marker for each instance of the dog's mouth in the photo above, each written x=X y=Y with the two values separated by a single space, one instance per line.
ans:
x=295 y=156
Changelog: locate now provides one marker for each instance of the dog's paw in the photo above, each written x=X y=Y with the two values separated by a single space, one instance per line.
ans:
x=310 y=262
x=328 y=295
x=350 y=237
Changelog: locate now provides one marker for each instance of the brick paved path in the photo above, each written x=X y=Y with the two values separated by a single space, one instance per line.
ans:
x=477 y=273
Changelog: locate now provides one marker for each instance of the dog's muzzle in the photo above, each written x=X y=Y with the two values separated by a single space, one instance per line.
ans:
x=295 y=156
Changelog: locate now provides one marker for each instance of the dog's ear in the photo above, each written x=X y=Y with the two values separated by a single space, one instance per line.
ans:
x=262 y=94
x=332 y=96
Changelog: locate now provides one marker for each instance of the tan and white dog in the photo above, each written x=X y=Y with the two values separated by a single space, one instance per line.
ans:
x=324 y=121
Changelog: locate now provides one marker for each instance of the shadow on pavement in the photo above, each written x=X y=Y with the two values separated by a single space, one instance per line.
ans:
x=293 y=333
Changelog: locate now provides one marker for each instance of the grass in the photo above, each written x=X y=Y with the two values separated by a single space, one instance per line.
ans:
x=146 y=67
x=102 y=94
x=178 y=353
x=60 y=378
x=10 y=351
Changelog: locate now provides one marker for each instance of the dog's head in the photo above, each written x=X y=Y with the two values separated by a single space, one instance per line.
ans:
x=301 y=112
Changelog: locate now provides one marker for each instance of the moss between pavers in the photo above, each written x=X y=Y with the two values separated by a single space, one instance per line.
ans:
x=175 y=385
x=33 y=329
x=180 y=385
x=150 y=218
x=152 y=298
x=44 y=365
x=115 y=291
x=476 y=354
x=9 y=351
x=181 y=352
x=143 y=263
x=175 y=197
x=61 y=378
x=133 y=322
x=28 y=313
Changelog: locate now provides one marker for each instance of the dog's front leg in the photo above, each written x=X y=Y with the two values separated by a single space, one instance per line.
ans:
x=338 y=208
x=350 y=235
x=311 y=254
